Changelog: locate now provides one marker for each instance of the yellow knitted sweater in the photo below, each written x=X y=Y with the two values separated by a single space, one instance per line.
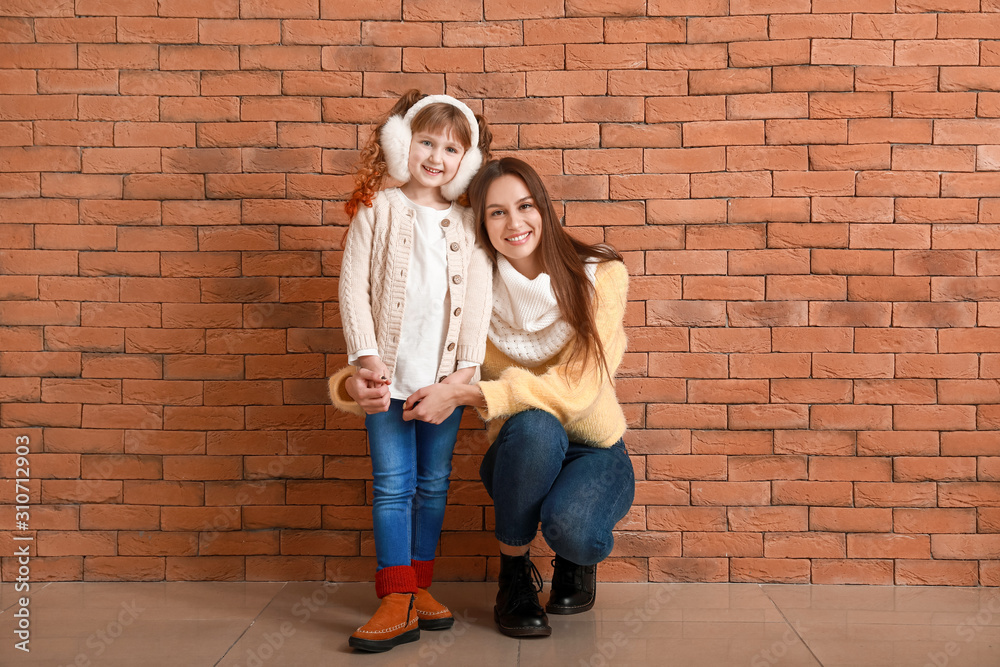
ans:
x=581 y=398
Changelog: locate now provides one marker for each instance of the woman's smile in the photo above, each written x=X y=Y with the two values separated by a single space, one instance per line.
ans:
x=514 y=224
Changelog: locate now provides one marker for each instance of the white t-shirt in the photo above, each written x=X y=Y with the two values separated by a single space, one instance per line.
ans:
x=425 y=317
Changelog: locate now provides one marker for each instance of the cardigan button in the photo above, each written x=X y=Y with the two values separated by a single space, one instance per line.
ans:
x=457 y=280
x=458 y=311
x=451 y=346
x=445 y=222
x=454 y=246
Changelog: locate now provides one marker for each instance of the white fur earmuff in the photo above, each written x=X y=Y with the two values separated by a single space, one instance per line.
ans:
x=396 y=136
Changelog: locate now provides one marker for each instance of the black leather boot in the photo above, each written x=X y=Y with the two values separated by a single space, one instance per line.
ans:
x=517 y=612
x=574 y=587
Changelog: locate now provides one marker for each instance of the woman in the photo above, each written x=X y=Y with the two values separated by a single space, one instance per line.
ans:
x=556 y=339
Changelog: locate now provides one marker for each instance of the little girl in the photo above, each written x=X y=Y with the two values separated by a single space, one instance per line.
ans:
x=415 y=300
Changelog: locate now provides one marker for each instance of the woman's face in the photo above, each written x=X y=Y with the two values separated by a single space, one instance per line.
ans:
x=514 y=223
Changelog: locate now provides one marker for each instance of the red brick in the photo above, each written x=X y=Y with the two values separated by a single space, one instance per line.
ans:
x=888 y=546
x=730 y=339
x=767 y=416
x=164 y=492
x=794 y=492
x=762 y=313
x=939 y=51
x=686 y=518
x=730 y=442
x=969 y=78
x=895 y=494
x=804 y=545
x=688 y=569
x=770 y=570
x=965 y=546
x=729 y=493
x=934 y=520
x=686 y=56
x=76 y=543
x=751 y=468
x=730 y=81
x=730 y=544
x=605 y=56
x=899 y=79
x=851 y=519
x=852 y=571
x=773 y=365
x=894 y=391
x=643 y=29
x=769 y=53
x=810 y=391
x=969 y=444
x=969 y=494
x=936 y=573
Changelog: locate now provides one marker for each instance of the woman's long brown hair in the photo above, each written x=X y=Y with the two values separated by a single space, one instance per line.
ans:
x=562 y=256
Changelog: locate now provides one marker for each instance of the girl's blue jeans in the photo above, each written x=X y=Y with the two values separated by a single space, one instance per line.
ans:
x=534 y=473
x=411 y=463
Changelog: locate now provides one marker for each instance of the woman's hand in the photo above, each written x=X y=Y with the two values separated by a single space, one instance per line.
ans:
x=368 y=390
x=435 y=403
x=432 y=404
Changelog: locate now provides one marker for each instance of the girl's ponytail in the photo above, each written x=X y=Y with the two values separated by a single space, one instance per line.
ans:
x=485 y=147
x=485 y=138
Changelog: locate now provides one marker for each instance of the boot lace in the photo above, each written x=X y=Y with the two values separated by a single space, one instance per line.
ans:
x=526 y=586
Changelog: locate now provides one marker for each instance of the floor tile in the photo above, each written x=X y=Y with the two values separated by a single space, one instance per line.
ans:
x=113 y=623
x=872 y=626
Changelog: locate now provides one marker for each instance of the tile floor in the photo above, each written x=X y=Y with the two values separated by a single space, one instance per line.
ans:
x=302 y=624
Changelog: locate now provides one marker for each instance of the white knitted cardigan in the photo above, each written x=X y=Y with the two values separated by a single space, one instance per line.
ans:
x=526 y=324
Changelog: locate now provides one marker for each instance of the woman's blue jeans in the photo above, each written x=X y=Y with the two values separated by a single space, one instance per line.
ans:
x=578 y=492
x=411 y=463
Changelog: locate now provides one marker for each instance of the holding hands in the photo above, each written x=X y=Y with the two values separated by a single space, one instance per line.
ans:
x=370 y=385
x=433 y=403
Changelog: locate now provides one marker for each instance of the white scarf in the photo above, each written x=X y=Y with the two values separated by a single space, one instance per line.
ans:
x=526 y=324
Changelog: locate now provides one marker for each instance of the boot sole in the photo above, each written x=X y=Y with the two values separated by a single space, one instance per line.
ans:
x=542 y=631
x=382 y=645
x=435 y=623
x=560 y=610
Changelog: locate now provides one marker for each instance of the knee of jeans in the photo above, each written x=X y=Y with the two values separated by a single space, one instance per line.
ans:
x=580 y=551
x=390 y=488
x=432 y=488
x=572 y=539
x=535 y=430
x=536 y=424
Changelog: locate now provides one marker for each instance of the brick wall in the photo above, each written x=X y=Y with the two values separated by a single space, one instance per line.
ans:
x=807 y=194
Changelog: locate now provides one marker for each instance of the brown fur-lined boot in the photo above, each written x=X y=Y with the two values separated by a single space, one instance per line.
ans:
x=431 y=614
x=395 y=621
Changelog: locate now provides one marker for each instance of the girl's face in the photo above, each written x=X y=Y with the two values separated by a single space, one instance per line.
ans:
x=433 y=162
x=514 y=223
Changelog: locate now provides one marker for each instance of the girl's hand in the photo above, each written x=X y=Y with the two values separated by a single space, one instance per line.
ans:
x=432 y=404
x=379 y=371
x=368 y=389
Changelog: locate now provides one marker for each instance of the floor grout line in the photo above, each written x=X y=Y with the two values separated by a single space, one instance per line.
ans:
x=251 y=623
x=791 y=625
